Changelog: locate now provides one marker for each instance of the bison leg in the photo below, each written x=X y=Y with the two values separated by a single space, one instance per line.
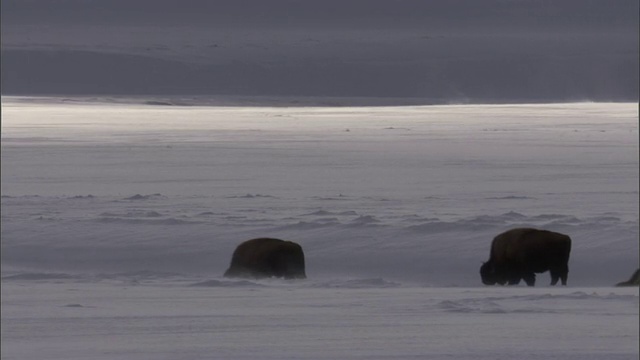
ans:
x=559 y=274
x=563 y=278
x=530 y=279
x=514 y=279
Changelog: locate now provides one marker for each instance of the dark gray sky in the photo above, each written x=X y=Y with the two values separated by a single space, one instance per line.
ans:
x=437 y=50
x=535 y=14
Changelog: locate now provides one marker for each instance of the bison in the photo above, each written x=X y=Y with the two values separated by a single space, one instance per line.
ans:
x=267 y=257
x=634 y=280
x=520 y=253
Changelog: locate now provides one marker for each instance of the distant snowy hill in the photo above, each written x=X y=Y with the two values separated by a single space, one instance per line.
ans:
x=436 y=51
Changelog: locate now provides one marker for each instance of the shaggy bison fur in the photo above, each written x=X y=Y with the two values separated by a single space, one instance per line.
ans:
x=520 y=253
x=266 y=257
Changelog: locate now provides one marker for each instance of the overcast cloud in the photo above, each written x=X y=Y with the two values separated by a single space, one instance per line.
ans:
x=437 y=51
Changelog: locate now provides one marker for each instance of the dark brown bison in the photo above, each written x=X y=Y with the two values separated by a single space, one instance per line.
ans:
x=633 y=281
x=520 y=253
x=266 y=257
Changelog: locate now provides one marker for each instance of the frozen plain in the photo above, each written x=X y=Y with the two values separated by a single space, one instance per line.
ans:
x=119 y=217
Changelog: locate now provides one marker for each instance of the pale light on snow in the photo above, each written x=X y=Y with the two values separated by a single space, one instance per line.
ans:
x=119 y=218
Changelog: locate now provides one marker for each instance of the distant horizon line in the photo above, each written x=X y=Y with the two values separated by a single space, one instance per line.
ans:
x=187 y=100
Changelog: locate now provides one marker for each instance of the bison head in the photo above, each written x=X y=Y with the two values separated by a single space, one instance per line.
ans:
x=488 y=273
x=491 y=275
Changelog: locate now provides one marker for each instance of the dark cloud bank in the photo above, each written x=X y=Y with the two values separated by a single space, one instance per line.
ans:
x=429 y=51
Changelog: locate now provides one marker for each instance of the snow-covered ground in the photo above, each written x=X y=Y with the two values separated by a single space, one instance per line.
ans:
x=272 y=320
x=113 y=210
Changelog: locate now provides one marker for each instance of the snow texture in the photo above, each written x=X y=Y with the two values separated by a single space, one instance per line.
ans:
x=119 y=217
